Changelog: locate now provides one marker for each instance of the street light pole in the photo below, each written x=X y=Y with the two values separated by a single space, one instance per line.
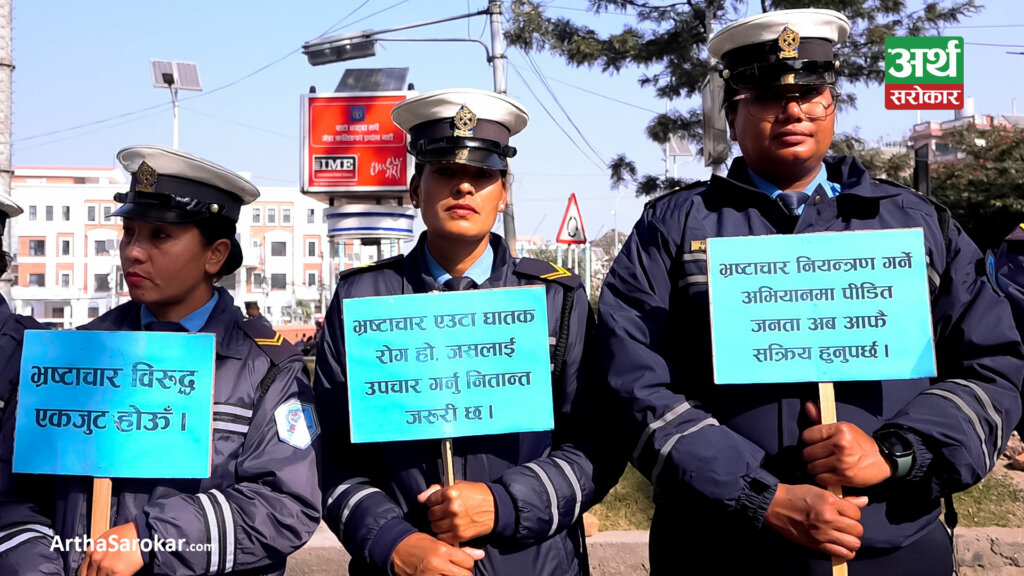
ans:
x=500 y=86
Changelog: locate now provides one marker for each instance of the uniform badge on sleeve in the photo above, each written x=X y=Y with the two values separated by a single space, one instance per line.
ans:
x=296 y=424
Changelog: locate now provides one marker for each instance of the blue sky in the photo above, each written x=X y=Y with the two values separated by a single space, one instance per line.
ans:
x=83 y=62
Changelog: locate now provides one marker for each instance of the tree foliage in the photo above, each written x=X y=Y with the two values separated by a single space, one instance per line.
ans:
x=984 y=190
x=898 y=167
x=668 y=39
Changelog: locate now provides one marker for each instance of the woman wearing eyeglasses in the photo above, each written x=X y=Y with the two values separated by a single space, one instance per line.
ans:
x=745 y=467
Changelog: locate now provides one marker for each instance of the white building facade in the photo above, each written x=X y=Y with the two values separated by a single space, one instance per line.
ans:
x=67 y=267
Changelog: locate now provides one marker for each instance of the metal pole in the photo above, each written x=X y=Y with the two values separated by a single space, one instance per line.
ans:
x=6 y=171
x=174 y=105
x=498 y=65
x=588 y=279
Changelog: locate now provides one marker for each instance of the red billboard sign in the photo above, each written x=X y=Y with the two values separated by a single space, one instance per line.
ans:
x=350 y=144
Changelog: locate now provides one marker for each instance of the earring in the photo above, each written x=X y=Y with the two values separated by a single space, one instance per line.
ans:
x=501 y=207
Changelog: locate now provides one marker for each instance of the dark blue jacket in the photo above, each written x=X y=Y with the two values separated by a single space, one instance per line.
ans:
x=542 y=481
x=1007 y=269
x=25 y=533
x=261 y=501
x=715 y=454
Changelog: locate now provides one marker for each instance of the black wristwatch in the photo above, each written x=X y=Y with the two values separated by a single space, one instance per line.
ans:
x=897 y=450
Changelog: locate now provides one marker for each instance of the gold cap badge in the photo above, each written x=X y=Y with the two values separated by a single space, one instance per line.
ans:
x=789 y=42
x=145 y=178
x=465 y=122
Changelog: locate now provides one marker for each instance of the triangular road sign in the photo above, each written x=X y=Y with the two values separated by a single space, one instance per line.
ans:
x=571 y=231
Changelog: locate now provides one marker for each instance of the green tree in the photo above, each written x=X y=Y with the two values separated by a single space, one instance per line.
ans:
x=984 y=190
x=898 y=167
x=669 y=39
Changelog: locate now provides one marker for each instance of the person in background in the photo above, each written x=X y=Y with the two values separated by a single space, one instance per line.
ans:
x=518 y=499
x=740 y=471
x=25 y=532
x=261 y=501
x=252 y=311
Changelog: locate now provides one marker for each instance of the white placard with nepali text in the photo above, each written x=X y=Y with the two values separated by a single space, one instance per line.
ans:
x=820 y=307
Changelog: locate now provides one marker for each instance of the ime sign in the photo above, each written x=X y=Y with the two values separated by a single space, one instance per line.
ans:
x=350 y=143
x=924 y=73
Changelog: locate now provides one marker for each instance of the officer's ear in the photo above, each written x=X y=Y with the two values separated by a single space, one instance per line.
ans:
x=216 y=255
x=730 y=119
x=414 y=189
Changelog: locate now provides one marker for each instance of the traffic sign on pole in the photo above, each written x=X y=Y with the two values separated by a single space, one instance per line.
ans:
x=571 y=230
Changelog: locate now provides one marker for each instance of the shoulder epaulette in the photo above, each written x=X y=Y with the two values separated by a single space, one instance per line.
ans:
x=546 y=271
x=896 y=184
x=372 y=266
x=677 y=190
x=270 y=341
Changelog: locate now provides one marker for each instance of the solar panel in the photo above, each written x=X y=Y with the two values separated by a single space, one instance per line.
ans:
x=185 y=74
x=372 y=80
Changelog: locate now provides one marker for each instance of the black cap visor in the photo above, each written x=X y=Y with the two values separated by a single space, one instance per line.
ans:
x=800 y=72
x=482 y=153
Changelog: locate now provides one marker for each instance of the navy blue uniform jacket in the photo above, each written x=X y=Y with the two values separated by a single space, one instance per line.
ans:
x=715 y=454
x=261 y=501
x=542 y=481
x=25 y=533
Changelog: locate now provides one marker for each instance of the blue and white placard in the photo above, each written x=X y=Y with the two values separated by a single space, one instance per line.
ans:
x=820 y=307
x=448 y=364
x=115 y=404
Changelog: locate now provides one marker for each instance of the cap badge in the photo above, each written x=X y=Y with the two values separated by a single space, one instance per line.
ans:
x=789 y=42
x=465 y=122
x=145 y=178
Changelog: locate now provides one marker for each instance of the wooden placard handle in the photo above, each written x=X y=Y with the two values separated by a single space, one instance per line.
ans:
x=447 y=463
x=100 y=507
x=827 y=403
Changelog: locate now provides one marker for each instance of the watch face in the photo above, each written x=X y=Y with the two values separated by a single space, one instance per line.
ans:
x=894 y=443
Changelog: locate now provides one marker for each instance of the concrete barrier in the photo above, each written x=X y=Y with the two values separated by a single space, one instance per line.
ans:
x=980 y=551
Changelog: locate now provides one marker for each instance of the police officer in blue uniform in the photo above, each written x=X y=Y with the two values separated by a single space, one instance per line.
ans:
x=518 y=499
x=261 y=500
x=25 y=533
x=740 y=471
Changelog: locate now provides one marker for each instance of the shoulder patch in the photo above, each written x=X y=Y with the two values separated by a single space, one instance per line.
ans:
x=296 y=424
x=546 y=271
x=270 y=341
x=990 y=271
x=372 y=266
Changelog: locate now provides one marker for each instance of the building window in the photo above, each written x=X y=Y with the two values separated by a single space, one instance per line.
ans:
x=49 y=213
x=278 y=249
x=101 y=283
x=310 y=216
x=278 y=281
x=65 y=280
x=65 y=247
x=37 y=280
x=57 y=313
x=65 y=213
x=94 y=311
x=90 y=213
x=311 y=279
x=271 y=216
x=286 y=216
x=255 y=215
x=106 y=213
x=37 y=247
x=257 y=280
x=101 y=248
x=311 y=248
x=31 y=212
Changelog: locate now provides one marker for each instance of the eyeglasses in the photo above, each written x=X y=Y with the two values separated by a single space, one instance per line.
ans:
x=816 y=102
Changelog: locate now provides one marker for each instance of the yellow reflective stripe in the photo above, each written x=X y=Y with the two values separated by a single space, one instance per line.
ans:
x=275 y=341
x=558 y=273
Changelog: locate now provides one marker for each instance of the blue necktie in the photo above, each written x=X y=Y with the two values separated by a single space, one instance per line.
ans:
x=792 y=201
x=161 y=326
x=458 y=283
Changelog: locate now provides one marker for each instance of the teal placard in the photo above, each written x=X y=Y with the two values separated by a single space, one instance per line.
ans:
x=820 y=307
x=115 y=404
x=448 y=364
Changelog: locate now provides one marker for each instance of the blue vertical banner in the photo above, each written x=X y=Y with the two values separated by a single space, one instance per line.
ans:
x=115 y=404
x=820 y=307
x=448 y=364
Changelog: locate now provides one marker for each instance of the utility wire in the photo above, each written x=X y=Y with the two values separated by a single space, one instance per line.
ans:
x=242 y=124
x=540 y=76
x=553 y=119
